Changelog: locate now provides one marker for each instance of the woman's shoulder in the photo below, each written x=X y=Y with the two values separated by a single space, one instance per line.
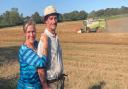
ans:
x=23 y=47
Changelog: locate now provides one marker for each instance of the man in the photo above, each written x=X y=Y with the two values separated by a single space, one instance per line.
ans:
x=50 y=46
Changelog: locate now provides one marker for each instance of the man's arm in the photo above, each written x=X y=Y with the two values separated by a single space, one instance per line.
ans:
x=42 y=76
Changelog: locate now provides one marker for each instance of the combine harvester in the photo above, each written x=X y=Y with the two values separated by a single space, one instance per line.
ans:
x=93 y=25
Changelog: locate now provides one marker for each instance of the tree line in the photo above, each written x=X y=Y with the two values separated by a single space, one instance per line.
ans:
x=108 y=12
x=14 y=18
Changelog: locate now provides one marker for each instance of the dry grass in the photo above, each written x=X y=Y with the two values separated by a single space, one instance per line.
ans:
x=91 y=64
x=91 y=60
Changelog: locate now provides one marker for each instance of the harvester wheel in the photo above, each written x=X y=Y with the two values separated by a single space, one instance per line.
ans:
x=97 y=29
x=87 y=29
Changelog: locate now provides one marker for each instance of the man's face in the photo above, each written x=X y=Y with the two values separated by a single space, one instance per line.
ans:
x=51 y=22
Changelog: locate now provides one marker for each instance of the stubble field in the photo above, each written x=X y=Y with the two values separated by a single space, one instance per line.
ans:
x=91 y=60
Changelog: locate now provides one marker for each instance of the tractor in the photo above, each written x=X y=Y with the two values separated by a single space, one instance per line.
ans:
x=93 y=25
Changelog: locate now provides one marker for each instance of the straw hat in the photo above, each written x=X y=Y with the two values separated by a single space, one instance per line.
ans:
x=50 y=10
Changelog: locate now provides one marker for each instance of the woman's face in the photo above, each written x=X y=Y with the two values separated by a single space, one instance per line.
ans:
x=30 y=34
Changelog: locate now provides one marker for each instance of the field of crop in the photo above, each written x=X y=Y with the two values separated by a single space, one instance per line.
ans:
x=91 y=60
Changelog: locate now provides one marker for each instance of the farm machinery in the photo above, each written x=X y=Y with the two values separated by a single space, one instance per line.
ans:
x=93 y=25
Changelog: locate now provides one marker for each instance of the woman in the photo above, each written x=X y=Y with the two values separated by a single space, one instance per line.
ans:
x=32 y=74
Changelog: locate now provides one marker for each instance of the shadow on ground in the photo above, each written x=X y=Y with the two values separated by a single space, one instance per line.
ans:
x=100 y=85
x=8 y=54
x=8 y=83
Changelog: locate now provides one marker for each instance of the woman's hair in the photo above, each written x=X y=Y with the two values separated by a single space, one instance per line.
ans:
x=28 y=23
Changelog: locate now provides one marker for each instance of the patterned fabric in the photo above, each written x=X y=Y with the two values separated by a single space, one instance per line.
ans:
x=55 y=64
x=29 y=62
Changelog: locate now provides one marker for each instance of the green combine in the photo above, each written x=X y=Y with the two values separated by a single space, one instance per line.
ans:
x=93 y=25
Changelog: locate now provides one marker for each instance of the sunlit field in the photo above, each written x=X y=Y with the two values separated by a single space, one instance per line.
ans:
x=91 y=60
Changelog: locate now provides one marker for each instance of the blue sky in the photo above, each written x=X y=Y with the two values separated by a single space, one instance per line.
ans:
x=28 y=7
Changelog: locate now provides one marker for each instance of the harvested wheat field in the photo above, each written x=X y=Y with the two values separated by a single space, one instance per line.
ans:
x=91 y=60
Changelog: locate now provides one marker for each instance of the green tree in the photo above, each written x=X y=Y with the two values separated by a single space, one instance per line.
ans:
x=36 y=17
x=11 y=18
x=75 y=15
x=82 y=15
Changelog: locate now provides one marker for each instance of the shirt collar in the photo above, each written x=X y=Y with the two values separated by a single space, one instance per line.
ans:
x=49 y=33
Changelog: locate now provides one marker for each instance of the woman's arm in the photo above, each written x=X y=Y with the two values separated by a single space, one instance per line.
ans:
x=42 y=76
x=42 y=72
x=44 y=39
x=30 y=57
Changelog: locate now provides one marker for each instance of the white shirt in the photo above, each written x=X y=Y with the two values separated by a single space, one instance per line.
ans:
x=55 y=64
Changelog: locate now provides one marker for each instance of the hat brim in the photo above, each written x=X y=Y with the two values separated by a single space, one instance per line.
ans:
x=46 y=16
